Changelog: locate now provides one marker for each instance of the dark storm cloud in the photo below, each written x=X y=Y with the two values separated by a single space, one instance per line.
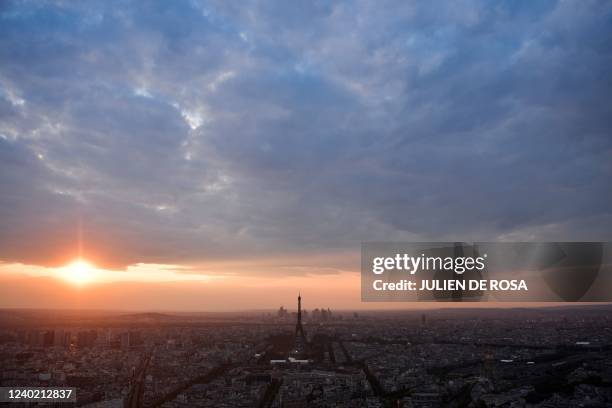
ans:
x=181 y=132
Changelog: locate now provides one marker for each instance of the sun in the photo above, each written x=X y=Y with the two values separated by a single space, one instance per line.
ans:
x=79 y=272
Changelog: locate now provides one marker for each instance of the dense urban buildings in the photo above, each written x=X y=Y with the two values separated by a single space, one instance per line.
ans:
x=539 y=357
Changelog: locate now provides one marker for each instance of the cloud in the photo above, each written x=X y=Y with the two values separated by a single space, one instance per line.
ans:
x=195 y=132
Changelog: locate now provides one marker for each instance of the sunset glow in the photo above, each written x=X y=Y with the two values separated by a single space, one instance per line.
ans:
x=79 y=272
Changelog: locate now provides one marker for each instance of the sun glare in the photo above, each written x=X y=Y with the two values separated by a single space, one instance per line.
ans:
x=79 y=272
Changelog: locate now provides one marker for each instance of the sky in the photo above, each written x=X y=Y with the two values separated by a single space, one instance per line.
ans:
x=245 y=149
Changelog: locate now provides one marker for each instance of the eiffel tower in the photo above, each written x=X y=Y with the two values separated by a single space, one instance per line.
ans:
x=300 y=335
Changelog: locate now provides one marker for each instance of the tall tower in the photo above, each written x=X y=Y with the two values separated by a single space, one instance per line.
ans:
x=300 y=335
x=299 y=322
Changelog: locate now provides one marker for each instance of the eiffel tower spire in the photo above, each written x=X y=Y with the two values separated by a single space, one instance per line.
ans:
x=300 y=335
x=299 y=316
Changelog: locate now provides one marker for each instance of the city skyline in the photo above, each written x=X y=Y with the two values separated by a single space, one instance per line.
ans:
x=279 y=204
